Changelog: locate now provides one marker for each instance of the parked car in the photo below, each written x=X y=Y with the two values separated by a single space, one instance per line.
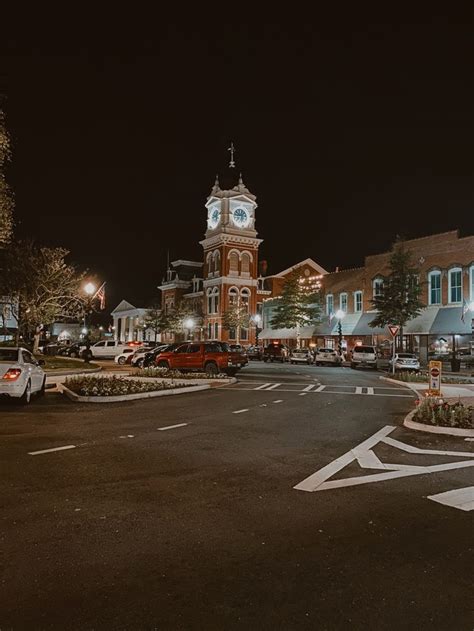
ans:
x=327 y=356
x=210 y=357
x=125 y=357
x=255 y=352
x=21 y=374
x=405 y=361
x=276 y=352
x=150 y=357
x=364 y=356
x=108 y=349
x=240 y=351
x=301 y=355
x=71 y=350
x=145 y=356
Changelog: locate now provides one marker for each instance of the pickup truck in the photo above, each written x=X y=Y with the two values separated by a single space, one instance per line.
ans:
x=276 y=353
x=210 y=357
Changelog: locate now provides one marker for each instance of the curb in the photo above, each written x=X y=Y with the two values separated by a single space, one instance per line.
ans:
x=435 y=429
x=400 y=383
x=130 y=397
x=71 y=371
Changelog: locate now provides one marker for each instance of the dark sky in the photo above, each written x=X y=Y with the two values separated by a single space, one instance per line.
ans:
x=349 y=127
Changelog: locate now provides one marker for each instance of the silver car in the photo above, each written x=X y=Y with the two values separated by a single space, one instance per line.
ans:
x=405 y=361
x=327 y=356
x=301 y=356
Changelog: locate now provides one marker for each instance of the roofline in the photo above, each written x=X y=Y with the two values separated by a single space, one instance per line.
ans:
x=186 y=262
x=307 y=261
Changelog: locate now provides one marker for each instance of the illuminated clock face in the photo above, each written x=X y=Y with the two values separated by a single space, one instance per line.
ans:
x=214 y=217
x=241 y=217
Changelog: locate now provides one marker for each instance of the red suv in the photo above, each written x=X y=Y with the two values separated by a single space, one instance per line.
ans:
x=210 y=357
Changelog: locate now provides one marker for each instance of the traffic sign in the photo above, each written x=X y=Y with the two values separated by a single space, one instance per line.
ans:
x=393 y=328
x=435 y=379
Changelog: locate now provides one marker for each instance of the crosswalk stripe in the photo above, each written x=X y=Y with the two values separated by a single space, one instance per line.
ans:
x=370 y=391
x=319 y=388
x=275 y=385
x=263 y=386
x=358 y=390
x=308 y=388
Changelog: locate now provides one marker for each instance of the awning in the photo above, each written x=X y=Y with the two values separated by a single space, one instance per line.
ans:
x=448 y=321
x=305 y=332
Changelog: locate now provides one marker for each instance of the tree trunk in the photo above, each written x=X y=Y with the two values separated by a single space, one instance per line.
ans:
x=156 y=335
x=36 y=340
x=401 y=340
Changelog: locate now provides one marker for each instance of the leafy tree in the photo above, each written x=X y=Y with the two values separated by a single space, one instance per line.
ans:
x=299 y=304
x=173 y=321
x=236 y=317
x=154 y=320
x=400 y=299
x=42 y=287
x=6 y=196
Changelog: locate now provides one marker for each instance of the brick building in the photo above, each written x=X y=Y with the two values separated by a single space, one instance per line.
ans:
x=446 y=275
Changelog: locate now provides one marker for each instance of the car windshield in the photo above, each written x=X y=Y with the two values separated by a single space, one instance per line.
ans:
x=8 y=354
x=325 y=350
x=364 y=349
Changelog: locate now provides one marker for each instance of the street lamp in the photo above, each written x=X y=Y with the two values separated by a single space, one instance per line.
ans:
x=189 y=325
x=89 y=290
x=340 y=314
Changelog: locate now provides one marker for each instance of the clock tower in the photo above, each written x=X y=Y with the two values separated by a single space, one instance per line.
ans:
x=230 y=264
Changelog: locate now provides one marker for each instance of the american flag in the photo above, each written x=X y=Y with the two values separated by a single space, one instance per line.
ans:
x=465 y=309
x=100 y=295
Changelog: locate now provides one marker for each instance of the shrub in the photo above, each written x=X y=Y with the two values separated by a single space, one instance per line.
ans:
x=423 y=378
x=165 y=373
x=434 y=411
x=113 y=386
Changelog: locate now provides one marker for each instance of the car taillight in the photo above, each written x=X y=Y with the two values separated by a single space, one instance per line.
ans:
x=12 y=374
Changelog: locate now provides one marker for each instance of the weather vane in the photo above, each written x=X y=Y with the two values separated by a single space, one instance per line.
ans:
x=232 y=151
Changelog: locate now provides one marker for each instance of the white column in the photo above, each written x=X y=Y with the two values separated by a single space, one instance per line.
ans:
x=130 y=330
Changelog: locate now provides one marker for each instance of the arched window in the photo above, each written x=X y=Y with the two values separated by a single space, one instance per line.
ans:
x=245 y=263
x=215 y=300
x=357 y=301
x=329 y=304
x=455 y=285
x=209 y=300
x=217 y=261
x=245 y=298
x=434 y=287
x=377 y=287
x=233 y=262
x=233 y=296
x=343 y=302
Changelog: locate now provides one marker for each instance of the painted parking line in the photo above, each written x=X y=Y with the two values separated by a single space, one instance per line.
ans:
x=48 y=451
x=162 y=429
x=463 y=499
x=240 y=411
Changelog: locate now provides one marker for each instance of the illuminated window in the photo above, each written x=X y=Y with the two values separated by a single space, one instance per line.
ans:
x=343 y=302
x=378 y=287
x=329 y=304
x=455 y=285
x=233 y=296
x=357 y=301
x=434 y=288
x=245 y=298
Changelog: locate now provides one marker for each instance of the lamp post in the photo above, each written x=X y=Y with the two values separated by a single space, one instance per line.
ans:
x=257 y=318
x=189 y=325
x=89 y=290
x=340 y=314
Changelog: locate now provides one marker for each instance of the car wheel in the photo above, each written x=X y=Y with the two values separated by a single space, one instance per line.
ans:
x=211 y=368
x=73 y=354
x=163 y=364
x=122 y=361
x=41 y=392
x=140 y=363
x=26 y=396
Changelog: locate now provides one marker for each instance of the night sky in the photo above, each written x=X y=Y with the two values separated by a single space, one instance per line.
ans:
x=350 y=128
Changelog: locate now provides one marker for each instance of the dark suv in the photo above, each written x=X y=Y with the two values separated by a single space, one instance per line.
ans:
x=276 y=353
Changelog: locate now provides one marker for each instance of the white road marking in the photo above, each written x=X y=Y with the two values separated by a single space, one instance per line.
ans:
x=469 y=439
x=275 y=385
x=370 y=391
x=240 y=411
x=128 y=436
x=303 y=394
x=319 y=388
x=367 y=459
x=278 y=401
x=358 y=390
x=308 y=388
x=48 y=451
x=263 y=386
x=458 y=498
x=162 y=429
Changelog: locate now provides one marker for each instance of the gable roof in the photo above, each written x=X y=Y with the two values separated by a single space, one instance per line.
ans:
x=309 y=262
x=123 y=306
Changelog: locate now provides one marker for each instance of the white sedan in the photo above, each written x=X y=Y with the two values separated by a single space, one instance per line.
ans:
x=125 y=356
x=405 y=361
x=21 y=374
x=327 y=356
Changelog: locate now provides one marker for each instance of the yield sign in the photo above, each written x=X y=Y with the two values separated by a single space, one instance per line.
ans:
x=393 y=328
x=367 y=459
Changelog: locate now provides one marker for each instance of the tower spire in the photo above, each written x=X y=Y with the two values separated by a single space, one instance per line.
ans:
x=215 y=188
x=232 y=152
